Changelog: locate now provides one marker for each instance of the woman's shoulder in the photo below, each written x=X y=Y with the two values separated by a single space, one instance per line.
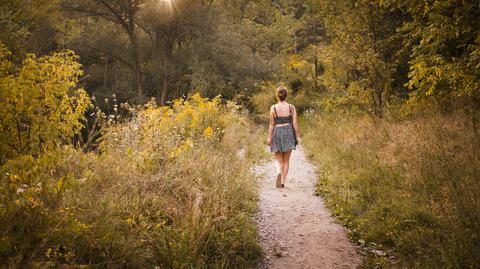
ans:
x=272 y=109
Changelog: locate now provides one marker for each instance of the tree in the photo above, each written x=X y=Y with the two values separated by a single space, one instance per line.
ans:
x=125 y=14
x=171 y=26
x=444 y=37
x=30 y=26
x=363 y=42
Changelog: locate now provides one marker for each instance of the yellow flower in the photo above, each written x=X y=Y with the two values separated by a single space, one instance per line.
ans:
x=181 y=149
x=208 y=132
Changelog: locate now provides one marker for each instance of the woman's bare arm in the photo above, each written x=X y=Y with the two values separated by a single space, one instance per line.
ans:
x=295 y=123
x=270 y=127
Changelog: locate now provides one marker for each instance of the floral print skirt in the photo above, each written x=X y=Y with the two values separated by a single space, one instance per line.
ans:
x=283 y=139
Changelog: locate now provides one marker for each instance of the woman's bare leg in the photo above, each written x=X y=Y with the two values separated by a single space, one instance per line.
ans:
x=278 y=167
x=278 y=162
x=285 y=165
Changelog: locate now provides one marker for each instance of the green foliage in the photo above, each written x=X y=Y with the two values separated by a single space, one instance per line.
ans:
x=41 y=106
x=178 y=47
x=385 y=47
x=30 y=26
x=351 y=101
x=141 y=200
x=33 y=215
x=445 y=46
x=371 y=53
x=265 y=97
x=224 y=61
x=363 y=56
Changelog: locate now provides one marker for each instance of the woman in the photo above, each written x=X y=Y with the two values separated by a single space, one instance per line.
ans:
x=283 y=135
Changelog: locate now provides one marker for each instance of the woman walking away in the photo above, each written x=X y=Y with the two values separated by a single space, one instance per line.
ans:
x=283 y=135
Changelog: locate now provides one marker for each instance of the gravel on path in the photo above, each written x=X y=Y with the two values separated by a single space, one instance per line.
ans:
x=296 y=229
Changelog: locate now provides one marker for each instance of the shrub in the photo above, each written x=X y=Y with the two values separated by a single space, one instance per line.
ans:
x=32 y=211
x=40 y=104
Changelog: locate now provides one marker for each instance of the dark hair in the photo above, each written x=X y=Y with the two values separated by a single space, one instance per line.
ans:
x=282 y=93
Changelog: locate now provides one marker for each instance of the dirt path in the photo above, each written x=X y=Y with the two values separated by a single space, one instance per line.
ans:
x=296 y=229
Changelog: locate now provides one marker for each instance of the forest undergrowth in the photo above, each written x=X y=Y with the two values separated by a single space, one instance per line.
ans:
x=164 y=187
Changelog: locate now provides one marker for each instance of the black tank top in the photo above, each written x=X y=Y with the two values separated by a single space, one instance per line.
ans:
x=286 y=119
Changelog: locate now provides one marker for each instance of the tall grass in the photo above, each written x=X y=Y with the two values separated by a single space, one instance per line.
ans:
x=166 y=189
x=410 y=186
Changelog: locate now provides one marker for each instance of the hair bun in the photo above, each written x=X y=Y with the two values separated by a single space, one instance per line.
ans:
x=282 y=93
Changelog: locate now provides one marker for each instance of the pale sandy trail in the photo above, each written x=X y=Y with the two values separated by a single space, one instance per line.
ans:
x=296 y=229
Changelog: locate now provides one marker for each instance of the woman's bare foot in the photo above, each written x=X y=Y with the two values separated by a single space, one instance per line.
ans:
x=279 y=180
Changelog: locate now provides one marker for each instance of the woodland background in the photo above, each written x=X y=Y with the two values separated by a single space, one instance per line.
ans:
x=110 y=107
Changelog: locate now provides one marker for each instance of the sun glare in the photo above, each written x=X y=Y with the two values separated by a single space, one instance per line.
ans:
x=168 y=4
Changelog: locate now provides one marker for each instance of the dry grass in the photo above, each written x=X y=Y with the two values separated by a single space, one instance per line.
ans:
x=410 y=186
x=167 y=189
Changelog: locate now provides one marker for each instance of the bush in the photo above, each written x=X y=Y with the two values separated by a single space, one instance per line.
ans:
x=40 y=103
x=32 y=214
x=264 y=98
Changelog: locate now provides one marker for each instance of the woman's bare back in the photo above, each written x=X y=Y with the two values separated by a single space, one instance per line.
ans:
x=283 y=109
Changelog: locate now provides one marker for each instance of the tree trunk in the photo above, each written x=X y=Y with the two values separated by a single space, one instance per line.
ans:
x=163 y=97
x=105 y=72
x=168 y=51
x=137 y=66
x=163 y=90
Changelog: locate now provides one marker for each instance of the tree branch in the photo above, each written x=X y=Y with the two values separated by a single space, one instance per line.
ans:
x=113 y=56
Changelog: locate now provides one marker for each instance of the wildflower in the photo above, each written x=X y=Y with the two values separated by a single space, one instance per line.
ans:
x=208 y=132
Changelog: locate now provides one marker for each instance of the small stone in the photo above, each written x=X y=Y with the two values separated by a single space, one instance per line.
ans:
x=379 y=252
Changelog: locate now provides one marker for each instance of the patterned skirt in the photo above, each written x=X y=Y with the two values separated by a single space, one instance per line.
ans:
x=282 y=139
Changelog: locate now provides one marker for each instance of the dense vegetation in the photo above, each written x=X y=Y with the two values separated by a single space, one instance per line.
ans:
x=140 y=199
x=394 y=132
x=103 y=126
x=93 y=171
